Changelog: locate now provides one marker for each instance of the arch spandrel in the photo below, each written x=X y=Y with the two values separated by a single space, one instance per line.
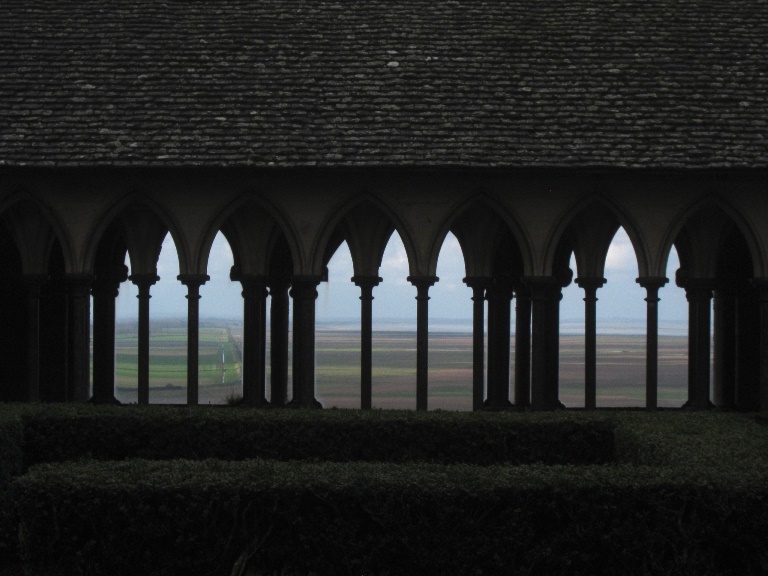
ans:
x=144 y=224
x=708 y=208
x=592 y=223
x=477 y=224
x=366 y=224
x=34 y=230
x=252 y=226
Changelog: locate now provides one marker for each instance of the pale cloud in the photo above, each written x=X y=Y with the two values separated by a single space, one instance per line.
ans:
x=394 y=264
x=621 y=255
x=450 y=263
x=168 y=262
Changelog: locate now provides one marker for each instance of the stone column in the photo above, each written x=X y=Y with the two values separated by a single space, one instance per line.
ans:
x=193 y=283
x=422 y=283
x=652 y=285
x=79 y=332
x=304 y=293
x=698 y=292
x=254 y=327
x=366 y=284
x=543 y=290
x=279 y=328
x=522 y=346
x=499 y=296
x=762 y=285
x=553 y=349
x=748 y=347
x=143 y=282
x=479 y=287
x=33 y=284
x=105 y=289
x=724 y=372
x=590 y=286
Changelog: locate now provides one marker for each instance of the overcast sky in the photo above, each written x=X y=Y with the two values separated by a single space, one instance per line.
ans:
x=394 y=298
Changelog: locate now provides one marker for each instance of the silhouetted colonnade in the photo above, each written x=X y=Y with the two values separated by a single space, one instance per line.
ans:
x=64 y=235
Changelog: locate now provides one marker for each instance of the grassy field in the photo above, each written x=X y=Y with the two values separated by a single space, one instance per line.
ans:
x=620 y=372
x=219 y=365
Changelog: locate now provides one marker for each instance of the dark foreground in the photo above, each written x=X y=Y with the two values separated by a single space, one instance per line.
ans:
x=231 y=491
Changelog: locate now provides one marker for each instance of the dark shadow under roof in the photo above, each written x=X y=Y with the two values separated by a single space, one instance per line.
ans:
x=520 y=83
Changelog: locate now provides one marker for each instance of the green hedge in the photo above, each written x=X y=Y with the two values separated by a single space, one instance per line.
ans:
x=679 y=493
x=11 y=465
x=64 y=433
x=192 y=517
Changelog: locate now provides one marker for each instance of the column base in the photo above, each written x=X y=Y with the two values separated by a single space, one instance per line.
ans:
x=105 y=400
x=688 y=406
x=547 y=407
x=312 y=405
x=264 y=403
x=489 y=406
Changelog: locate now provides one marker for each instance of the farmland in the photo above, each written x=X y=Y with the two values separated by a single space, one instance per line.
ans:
x=620 y=371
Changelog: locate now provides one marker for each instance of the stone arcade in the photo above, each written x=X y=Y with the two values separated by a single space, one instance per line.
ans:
x=531 y=131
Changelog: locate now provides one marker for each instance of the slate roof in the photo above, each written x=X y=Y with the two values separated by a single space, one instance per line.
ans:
x=518 y=83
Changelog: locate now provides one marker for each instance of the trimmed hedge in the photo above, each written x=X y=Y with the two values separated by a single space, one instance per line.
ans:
x=184 y=517
x=11 y=464
x=161 y=433
x=685 y=494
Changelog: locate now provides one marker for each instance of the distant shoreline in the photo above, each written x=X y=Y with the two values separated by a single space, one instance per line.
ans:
x=570 y=327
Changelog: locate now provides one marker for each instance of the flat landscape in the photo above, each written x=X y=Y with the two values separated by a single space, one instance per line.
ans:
x=620 y=371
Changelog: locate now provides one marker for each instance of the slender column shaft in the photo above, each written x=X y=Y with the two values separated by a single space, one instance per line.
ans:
x=422 y=284
x=104 y=294
x=478 y=346
x=699 y=295
x=553 y=349
x=279 y=327
x=748 y=348
x=304 y=293
x=143 y=282
x=652 y=285
x=254 y=302
x=79 y=314
x=366 y=284
x=762 y=285
x=33 y=284
x=523 y=347
x=193 y=283
x=499 y=307
x=724 y=307
x=590 y=286
x=541 y=288
x=479 y=287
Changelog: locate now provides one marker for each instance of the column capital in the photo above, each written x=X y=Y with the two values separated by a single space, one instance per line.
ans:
x=191 y=280
x=108 y=283
x=698 y=288
x=365 y=281
x=251 y=279
x=478 y=281
x=541 y=287
x=113 y=275
x=422 y=281
x=32 y=280
x=144 y=280
x=278 y=283
x=590 y=282
x=254 y=285
x=502 y=287
x=564 y=277
x=760 y=284
x=304 y=287
x=306 y=279
x=652 y=282
x=78 y=284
